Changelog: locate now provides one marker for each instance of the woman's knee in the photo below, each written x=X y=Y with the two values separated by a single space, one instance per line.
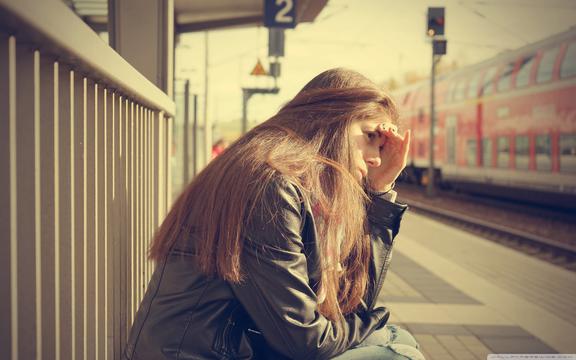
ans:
x=390 y=343
x=377 y=352
x=402 y=336
x=407 y=351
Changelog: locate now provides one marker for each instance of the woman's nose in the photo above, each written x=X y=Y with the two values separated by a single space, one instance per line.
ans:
x=373 y=161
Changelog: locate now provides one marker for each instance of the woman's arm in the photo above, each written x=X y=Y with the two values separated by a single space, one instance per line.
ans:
x=276 y=291
x=384 y=217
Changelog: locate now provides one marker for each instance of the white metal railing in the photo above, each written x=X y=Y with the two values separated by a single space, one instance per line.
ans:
x=84 y=182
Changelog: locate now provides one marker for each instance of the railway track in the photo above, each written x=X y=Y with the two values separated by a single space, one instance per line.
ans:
x=558 y=253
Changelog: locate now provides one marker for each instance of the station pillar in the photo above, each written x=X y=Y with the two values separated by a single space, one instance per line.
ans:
x=142 y=32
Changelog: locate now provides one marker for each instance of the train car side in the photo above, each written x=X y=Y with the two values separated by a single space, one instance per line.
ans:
x=506 y=123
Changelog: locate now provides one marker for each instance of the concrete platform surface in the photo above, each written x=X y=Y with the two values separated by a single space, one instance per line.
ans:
x=464 y=297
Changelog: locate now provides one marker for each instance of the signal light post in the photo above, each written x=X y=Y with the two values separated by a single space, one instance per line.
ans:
x=278 y=15
x=435 y=30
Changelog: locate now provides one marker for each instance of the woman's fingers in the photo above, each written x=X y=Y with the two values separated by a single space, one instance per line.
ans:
x=392 y=136
x=406 y=144
x=406 y=141
x=396 y=146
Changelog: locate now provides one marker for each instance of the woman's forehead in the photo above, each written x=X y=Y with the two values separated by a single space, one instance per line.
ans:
x=375 y=122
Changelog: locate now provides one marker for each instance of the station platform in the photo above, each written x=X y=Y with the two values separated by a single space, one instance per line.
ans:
x=464 y=297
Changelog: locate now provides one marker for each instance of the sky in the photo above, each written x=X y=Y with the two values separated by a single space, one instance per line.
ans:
x=382 y=39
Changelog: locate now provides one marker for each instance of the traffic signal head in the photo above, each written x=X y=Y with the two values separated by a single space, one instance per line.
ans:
x=436 y=21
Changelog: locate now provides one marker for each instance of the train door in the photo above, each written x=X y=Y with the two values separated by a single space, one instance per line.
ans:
x=451 y=121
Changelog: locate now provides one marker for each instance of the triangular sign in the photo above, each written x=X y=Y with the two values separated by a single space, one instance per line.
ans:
x=258 y=69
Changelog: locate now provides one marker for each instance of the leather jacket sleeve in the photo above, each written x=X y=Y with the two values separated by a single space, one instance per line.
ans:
x=276 y=292
x=384 y=217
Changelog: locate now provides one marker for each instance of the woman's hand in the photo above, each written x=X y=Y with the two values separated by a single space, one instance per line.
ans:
x=393 y=156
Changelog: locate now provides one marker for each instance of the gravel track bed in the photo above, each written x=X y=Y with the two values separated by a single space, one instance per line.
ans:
x=557 y=226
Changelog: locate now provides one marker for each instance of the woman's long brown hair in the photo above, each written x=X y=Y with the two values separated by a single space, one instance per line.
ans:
x=307 y=144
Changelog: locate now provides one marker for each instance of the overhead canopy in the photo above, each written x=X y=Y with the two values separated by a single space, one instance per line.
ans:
x=196 y=15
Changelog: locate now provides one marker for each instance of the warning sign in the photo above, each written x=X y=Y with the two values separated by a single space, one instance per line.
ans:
x=258 y=69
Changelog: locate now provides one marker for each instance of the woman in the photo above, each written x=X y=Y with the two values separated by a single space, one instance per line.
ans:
x=279 y=247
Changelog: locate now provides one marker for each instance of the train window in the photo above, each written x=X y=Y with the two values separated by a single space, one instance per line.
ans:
x=471 y=152
x=523 y=75
x=568 y=153
x=473 y=86
x=543 y=153
x=503 y=156
x=421 y=149
x=505 y=77
x=522 y=151
x=547 y=65
x=451 y=121
x=488 y=81
x=568 y=67
x=487 y=152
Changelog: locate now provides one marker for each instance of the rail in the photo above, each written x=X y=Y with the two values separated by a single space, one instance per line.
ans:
x=526 y=237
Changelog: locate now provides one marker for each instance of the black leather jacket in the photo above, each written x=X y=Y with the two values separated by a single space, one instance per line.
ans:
x=273 y=313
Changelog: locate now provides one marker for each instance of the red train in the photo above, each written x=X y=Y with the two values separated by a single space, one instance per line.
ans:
x=506 y=125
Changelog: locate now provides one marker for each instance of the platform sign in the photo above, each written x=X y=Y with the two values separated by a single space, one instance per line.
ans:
x=280 y=13
x=439 y=46
x=258 y=70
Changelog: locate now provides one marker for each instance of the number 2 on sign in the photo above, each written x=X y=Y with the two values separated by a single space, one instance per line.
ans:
x=282 y=15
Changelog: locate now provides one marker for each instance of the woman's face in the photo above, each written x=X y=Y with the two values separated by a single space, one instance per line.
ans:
x=367 y=140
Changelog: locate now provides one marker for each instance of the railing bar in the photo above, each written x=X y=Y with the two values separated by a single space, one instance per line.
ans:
x=72 y=224
x=37 y=206
x=13 y=196
x=148 y=189
x=120 y=132
x=168 y=167
x=85 y=223
x=113 y=148
x=147 y=194
x=119 y=242
x=153 y=175
x=72 y=219
x=160 y=177
x=138 y=205
x=148 y=179
x=57 y=210
x=154 y=172
x=144 y=153
x=97 y=102
x=163 y=161
x=105 y=208
x=142 y=200
x=132 y=222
